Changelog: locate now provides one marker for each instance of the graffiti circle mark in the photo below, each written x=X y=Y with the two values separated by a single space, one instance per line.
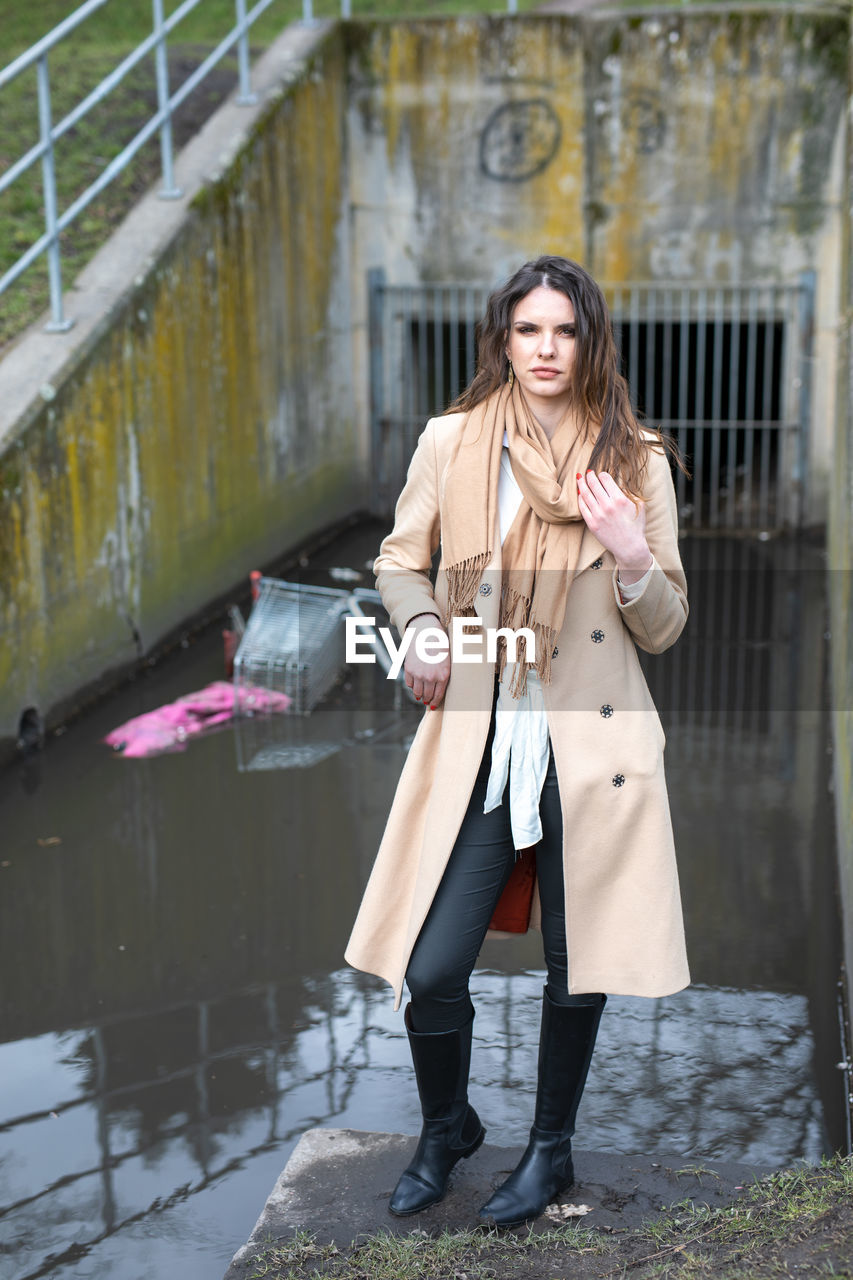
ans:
x=519 y=140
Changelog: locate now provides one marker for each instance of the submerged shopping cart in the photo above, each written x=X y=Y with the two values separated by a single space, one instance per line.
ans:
x=294 y=643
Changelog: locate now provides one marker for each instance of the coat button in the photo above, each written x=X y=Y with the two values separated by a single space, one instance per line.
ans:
x=618 y=779
x=596 y=636
x=485 y=589
x=554 y=652
x=596 y=564
x=606 y=710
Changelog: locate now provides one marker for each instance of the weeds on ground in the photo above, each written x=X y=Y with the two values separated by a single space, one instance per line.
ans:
x=781 y=1209
x=415 y=1256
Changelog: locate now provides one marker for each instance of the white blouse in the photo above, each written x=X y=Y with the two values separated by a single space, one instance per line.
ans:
x=521 y=744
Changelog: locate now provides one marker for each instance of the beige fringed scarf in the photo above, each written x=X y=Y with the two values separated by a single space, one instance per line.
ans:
x=541 y=549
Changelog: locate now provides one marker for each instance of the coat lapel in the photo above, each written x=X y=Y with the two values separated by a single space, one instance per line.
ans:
x=591 y=550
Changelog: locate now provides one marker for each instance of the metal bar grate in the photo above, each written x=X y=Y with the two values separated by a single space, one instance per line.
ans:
x=720 y=369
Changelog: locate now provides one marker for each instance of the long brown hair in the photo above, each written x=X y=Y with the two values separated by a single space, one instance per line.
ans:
x=599 y=391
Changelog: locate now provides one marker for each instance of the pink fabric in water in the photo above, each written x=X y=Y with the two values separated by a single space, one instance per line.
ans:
x=169 y=727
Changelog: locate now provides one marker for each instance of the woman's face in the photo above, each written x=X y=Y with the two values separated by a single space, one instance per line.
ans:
x=541 y=345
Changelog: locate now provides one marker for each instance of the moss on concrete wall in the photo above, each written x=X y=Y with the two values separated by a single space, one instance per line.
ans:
x=678 y=145
x=472 y=139
x=208 y=426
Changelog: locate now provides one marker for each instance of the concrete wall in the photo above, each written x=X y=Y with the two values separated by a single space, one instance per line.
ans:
x=198 y=418
x=210 y=408
x=679 y=146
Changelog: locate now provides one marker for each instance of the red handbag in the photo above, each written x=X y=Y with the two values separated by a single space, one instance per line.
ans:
x=512 y=914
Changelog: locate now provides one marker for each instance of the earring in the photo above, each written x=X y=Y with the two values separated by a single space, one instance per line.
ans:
x=510 y=376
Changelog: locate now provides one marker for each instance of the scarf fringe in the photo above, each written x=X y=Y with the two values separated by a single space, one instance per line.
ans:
x=463 y=580
x=515 y=614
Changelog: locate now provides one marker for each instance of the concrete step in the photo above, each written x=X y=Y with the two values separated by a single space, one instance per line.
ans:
x=337 y=1184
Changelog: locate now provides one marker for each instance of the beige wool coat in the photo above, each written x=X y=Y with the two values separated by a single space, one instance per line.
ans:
x=624 y=928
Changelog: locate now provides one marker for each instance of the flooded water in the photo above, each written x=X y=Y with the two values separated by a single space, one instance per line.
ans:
x=175 y=1007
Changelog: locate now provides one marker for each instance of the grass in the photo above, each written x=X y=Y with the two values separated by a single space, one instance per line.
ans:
x=127 y=22
x=417 y=1256
x=77 y=65
x=777 y=1215
x=797 y=1221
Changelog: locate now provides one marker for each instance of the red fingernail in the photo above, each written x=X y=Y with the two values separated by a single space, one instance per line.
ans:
x=577 y=475
x=432 y=708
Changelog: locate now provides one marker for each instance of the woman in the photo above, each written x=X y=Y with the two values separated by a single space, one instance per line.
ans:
x=556 y=513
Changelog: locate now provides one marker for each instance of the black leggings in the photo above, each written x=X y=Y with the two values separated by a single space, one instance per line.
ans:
x=480 y=864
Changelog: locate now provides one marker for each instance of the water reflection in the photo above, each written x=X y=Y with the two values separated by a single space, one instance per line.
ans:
x=123 y=1118
x=174 y=1011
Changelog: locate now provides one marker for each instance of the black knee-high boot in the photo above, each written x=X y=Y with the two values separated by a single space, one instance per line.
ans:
x=451 y=1128
x=566 y=1043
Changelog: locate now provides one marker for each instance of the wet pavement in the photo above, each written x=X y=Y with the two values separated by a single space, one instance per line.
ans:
x=174 y=1006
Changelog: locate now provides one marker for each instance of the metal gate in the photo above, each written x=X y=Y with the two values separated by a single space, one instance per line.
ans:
x=722 y=369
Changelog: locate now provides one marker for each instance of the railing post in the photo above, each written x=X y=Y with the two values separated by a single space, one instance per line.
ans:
x=512 y=6
x=245 y=97
x=169 y=191
x=57 y=322
x=307 y=11
x=346 y=8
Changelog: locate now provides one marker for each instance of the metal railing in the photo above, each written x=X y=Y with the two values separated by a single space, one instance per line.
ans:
x=50 y=133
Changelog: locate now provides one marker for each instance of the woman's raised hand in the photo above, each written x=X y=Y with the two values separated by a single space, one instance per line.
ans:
x=617 y=521
x=427 y=680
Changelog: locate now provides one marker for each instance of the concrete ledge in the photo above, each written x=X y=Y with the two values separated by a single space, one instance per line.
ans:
x=337 y=1183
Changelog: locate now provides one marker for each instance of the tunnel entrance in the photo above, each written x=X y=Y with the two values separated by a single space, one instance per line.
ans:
x=723 y=370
